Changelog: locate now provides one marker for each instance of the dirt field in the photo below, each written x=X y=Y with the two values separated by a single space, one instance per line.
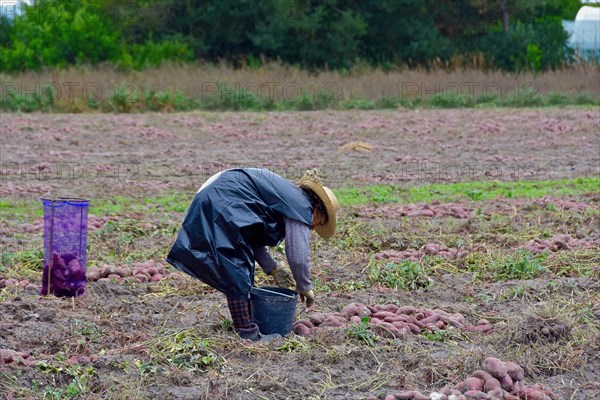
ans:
x=527 y=268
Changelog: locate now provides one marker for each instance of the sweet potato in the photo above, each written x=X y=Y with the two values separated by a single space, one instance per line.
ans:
x=387 y=307
x=509 y=396
x=151 y=271
x=350 y=310
x=93 y=274
x=452 y=321
x=491 y=384
x=461 y=387
x=420 y=396
x=302 y=330
x=141 y=278
x=385 y=329
x=416 y=322
x=495 y=367
x=506 y=383
x=409 y=395
x=318 y=318
x=393 y=319
x=532 y=394
x=356 y=309
x=476 y=395
x=483 y=375
x=156 y=278
x=355 y=319
x=474 y=383
x=390 y=397
x=305 y=322
x=413 y=328
x=122 y=272
x=431 y=319
x=114 y=276
x=331 y=321
x=518 y=388
x=384 y=314
x=515 y=372
x=440 y=324
x=408 y=310
x=496 y=394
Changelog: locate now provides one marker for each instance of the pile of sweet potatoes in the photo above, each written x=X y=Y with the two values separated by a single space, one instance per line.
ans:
x=24 y=283
x=559 y=242
x=147 y=271
x=496 y=380
x=430 y=249
x=455 y=210
x=388 y=320
x=10 y=357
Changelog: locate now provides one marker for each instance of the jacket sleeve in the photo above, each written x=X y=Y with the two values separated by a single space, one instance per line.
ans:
x=264 y=259
x=297 y=252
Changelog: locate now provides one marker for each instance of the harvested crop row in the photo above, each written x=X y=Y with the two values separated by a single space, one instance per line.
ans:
x=430 y=249
x=10 y=357
x=496 y=380
x=147 y=271
x=461 y=210
x=559 y=242
x=389 y=320
x=416 y=210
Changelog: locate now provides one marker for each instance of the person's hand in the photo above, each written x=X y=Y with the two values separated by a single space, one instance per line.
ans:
x=282 y=278
x=308 y=297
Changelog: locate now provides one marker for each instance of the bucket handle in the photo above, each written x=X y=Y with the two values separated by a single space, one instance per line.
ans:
x=272 y=292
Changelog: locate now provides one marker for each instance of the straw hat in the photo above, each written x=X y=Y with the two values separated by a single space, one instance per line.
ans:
x=311 y=181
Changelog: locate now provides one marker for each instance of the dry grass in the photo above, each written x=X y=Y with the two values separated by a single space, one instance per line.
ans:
x=277 y=81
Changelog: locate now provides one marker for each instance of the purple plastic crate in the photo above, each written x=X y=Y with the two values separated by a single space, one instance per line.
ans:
x=65 y=238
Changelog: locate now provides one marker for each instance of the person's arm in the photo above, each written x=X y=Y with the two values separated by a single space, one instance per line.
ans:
x=264 y=259
x=297 y=252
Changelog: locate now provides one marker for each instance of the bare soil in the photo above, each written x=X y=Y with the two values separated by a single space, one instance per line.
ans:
x=549 y=324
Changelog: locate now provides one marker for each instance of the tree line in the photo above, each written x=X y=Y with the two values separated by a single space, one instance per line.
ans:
x=511 y=35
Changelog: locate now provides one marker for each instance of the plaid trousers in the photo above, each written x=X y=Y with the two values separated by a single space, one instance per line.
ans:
x=240 y=313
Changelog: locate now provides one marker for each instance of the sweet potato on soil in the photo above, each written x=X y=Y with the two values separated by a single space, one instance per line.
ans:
x=491 y=384
x=532 y=394
x=474 y=383
x=332 y=321
x=431 y=319
x=476 y=395
x=506 y=383
x=495 y=367
x=356 y=309
x=93 y=274
x=385 y=329
x=302 y=330
x=387 y=307
x=156 y=278
x=318 y=318
x=408 y=310
x=305 y=322
x=515 y=372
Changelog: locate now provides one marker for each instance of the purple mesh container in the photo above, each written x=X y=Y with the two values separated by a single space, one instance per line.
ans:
x=65 y=237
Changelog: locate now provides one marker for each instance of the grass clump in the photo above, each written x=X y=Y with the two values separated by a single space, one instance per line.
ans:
x=361 y=332
x=519 y=265
x=407 y=275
